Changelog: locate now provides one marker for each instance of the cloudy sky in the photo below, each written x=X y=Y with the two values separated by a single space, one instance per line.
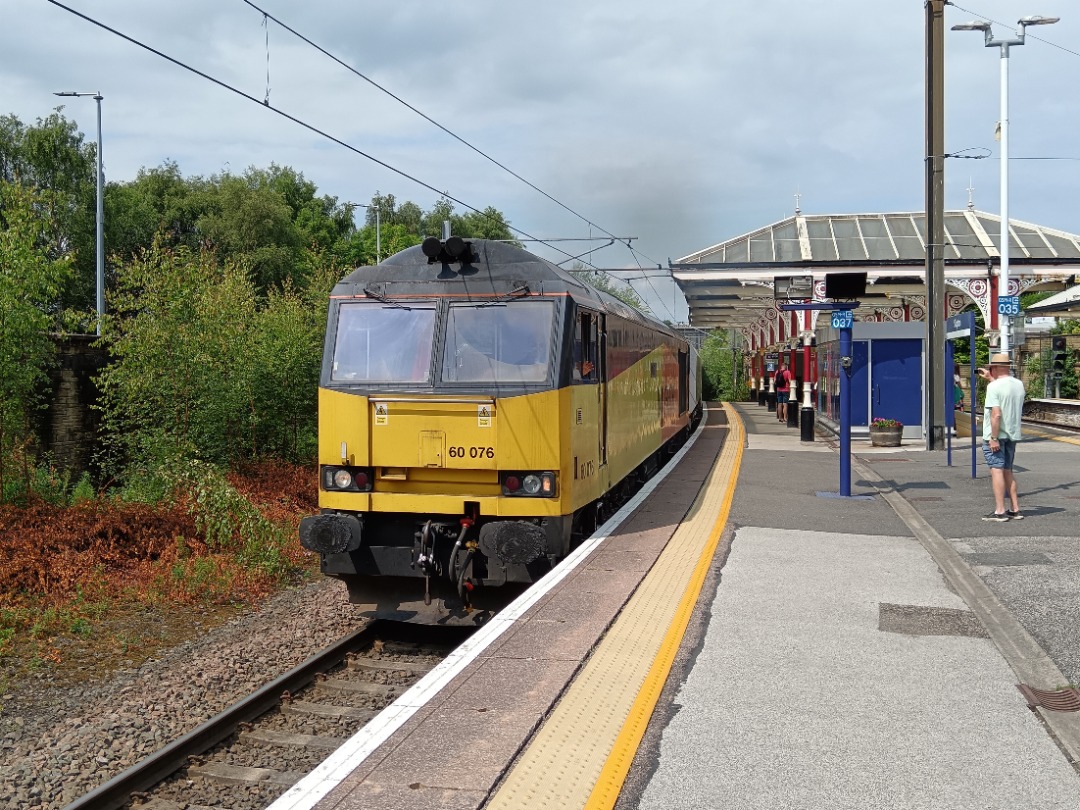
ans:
x=681 y=123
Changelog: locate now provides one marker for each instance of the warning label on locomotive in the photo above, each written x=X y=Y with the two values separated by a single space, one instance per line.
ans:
x=382 y=415
x=483 y=416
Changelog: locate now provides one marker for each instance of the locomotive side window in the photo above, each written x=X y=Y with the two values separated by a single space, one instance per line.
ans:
x=382 y=344
x=498 y=342
x=586 y=347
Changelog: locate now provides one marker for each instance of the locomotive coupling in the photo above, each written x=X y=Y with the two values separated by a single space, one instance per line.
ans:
x=330 y=534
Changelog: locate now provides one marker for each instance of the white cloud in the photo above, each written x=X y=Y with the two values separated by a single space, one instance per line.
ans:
x=683 y=123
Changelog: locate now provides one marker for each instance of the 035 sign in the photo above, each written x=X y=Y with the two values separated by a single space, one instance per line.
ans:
x=1009 y=305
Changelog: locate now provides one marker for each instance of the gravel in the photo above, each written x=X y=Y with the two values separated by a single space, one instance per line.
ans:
x=77 y=738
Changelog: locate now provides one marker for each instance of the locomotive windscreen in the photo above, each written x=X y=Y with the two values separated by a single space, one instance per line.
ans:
x=508 y=342
x=383 y=344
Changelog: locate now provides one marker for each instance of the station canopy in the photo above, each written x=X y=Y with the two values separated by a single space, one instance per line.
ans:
x=1064 y=304
x=727 y=285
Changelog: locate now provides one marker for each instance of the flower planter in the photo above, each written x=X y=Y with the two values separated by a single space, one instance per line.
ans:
x=885 y=437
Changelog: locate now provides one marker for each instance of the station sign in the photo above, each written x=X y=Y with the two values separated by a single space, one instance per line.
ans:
x=959 y=326
x=1009 y=305
x=842 y=319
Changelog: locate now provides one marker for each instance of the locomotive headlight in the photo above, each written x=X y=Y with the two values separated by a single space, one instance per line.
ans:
x=529 y=484
x=346 y=479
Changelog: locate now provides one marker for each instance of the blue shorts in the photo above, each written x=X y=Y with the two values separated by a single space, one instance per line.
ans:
x=782 y=397
x=1003 y=458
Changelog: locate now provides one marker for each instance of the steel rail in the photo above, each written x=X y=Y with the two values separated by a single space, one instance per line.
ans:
x=153 y=769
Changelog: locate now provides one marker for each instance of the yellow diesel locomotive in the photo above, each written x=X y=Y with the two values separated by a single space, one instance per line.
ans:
x=480 y=411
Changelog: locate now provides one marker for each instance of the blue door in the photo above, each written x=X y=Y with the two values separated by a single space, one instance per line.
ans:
x=896 y=380
x=860 y=382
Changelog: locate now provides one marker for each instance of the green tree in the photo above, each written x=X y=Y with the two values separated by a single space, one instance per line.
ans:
x=602 y=281
x=248 y=219
x=179 y=333
x=208 y=369
x=721 y=369
x=487 y=224
x=30 y=280
x=269 y=220
x=158 y=202
x=283 y=366
x=52 y=158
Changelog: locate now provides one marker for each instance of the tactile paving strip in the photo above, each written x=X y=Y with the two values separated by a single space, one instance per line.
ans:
x=583 y=751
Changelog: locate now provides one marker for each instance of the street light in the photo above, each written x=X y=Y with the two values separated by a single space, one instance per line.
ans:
x=1003 y=44
x=100 y=210
x=378 y=235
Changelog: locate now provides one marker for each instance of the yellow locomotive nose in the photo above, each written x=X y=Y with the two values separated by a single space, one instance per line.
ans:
x=455 y=433
x=479 y=409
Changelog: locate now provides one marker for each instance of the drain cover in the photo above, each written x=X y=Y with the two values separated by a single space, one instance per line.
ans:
x=1058 y=700
x=920 y=620
x=997 y=558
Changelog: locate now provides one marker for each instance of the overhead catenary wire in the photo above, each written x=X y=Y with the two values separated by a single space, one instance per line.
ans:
x=656 y=292
x=293 y=118
x=435 y=123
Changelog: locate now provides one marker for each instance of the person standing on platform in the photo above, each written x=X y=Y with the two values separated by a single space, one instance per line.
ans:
x=783 y=391
x=1002 y=409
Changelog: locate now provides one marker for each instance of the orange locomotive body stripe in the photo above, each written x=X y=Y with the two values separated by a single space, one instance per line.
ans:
x=449 y=295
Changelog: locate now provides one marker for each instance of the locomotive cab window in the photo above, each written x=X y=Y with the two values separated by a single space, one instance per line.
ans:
x=376 y=343
x=586 y=347
x=507 y=343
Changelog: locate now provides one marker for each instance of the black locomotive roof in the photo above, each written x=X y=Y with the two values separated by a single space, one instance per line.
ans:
x=499 y=269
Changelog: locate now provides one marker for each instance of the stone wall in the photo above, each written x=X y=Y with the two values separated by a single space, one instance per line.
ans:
x=1064 y=412
x=69 y=426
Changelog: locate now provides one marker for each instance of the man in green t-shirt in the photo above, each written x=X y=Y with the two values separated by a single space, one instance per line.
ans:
x=1002 y=409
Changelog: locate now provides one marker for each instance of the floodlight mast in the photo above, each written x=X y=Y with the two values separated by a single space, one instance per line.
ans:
x=1003 y=45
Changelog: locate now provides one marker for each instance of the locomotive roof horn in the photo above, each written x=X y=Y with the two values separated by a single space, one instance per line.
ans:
x=455 y=249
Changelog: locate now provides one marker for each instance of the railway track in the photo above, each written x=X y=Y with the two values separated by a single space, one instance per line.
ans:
x=252 y=752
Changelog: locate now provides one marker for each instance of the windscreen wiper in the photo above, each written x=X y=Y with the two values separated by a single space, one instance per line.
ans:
x=517 y=292
x=384 y=299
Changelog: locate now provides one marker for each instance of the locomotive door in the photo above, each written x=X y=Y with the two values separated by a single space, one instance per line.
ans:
x=601 y=345
x=590 y=367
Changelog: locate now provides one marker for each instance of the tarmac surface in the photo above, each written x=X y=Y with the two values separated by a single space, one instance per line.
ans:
x=740 y=636
x=865 y=652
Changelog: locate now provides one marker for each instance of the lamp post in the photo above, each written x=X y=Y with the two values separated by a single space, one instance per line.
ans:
x=378 y=235
x=1003 y=45
x=100 y=249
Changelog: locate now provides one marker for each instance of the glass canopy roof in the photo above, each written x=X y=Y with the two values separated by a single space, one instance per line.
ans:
x=969 y=235
x=732 y=282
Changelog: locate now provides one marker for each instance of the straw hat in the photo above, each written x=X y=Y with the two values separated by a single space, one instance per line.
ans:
x=999 y=359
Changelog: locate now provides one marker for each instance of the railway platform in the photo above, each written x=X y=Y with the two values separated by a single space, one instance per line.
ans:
x=744 y=637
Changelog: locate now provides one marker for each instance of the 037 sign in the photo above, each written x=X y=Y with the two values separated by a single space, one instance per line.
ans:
x=842 y=319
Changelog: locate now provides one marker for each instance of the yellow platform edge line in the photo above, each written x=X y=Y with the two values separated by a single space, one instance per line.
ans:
x=1044 y=435
x=613 y=774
